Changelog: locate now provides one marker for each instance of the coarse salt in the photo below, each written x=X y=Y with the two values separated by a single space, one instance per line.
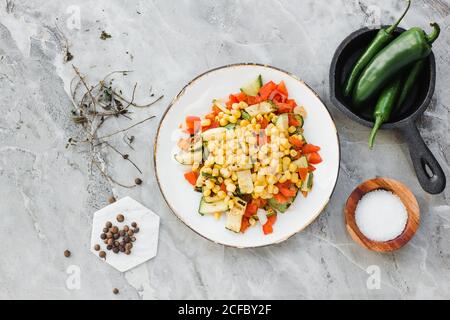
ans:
x=381 y=215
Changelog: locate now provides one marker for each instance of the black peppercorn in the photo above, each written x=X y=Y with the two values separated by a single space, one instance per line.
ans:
x=114 y=230
x=133 y=239
x=116 y=291
x=109 y=235
x=67 y=253
x=102 y=254
x=108 y=224
x=105 y=230
x=103 y=236
x=134 y=224
x=109 y=247
x=116 y=250
x=126 y=228
x=116 y=236
x=120 y=218
x=136 y=230
x=138 y=181
x=97 y=247
x=111 y=199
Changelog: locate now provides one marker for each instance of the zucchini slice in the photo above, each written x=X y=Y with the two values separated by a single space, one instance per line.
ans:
x=260 y=108
x=301 y=162
x=252 y=89
x=212 y=207
x=245 y=181
x=308 y=183
x=234 y=216
x=283 y=122
x=185 y=158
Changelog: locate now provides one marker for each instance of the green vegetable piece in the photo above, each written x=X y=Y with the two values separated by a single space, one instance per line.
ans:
x=383 y=37
x=409 y=47
x=384 y=107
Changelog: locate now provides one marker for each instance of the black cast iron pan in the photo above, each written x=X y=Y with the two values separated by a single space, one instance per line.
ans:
x=429 y=172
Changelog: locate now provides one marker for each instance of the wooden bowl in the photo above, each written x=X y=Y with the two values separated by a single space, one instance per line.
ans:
x=405 y=195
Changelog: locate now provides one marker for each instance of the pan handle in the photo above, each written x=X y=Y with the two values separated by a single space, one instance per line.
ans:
x=429 y=172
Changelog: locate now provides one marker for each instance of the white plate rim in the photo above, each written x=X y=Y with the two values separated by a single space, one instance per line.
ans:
x=182 y=91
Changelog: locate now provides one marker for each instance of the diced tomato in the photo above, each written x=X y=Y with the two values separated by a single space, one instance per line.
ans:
x=305 y=194
x=216 y=110
x=266 y=90
x=311 y=168
x=233 y=98
x=241 y=97
x=303 y=172
x=244 y=224
x=223 y=187
x=282 y=88
x=314 y=158
x=261 y=203
x=288 y=192
x=293 y=120
x=268 y=226
x=213 y=125
x=211 y=116
x=277 y=96
x=295 y=142
x=310 y=148
x=284 y=107
x=251 y=210
x=192 y=124
x=291 y=102
x=280 y=198
x=253 y=100
x=191 y=177
x=264 y=123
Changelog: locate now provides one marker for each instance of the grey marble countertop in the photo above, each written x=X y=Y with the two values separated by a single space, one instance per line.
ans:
x=48 y=194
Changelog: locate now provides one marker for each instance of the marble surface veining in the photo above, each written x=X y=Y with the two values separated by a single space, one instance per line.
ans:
x=48 y=193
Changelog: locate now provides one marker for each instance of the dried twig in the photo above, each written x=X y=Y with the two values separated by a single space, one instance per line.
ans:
x=94 y=105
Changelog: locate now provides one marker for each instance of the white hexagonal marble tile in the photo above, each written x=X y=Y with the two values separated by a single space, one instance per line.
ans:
x=146 y=244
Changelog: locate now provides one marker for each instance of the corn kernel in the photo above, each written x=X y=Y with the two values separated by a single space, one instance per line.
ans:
x=244 y=123
x=221 y=114
x=275 y=190
x=209 y=184
x=293 y=167
x=253 y=121
x=270 y=188
x=294 y=177
x=223 y=122
x=293 y=153
x=283 y=179
x=221 y=194
x=235 y=106
x=298 y=184
x=215 y=172
x=292 y=129
x=231 y=188
x=252 y=221
x=216 y=189
x=234 y=176
x=217 y=215
x=207 y=192
x=232 y=119
x=236 y=113
x=243 y=105
x=225 y=172
x=231 y=204
x=288 y=175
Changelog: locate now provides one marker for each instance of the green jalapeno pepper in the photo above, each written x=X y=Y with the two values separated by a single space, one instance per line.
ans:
x=383 y=37
x=408 y=85
x=384 y=107
x=409 y=47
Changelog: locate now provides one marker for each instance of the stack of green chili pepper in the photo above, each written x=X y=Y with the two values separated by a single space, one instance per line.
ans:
x=381 y=69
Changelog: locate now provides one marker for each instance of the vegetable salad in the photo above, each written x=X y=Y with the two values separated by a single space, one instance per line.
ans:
x=249 y=153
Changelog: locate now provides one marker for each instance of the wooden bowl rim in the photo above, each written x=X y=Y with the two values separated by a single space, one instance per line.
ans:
x=393 y=244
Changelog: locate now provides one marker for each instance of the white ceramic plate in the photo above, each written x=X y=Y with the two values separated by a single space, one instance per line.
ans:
x=195 y=99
